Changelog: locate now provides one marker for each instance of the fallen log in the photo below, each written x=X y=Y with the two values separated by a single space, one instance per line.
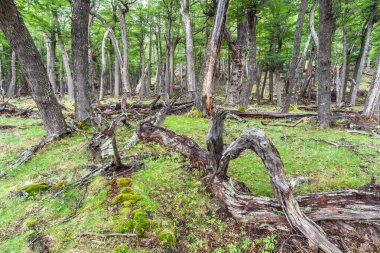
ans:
x=286 y=212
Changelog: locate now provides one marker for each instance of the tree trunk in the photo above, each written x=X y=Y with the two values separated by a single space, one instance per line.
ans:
x=66 y=61
x=33 y=69
x=362 y=61
x=252 y=66
x=142 y=66
x=61 y=83
x=104 y=66
x=372 y=105
x=212 y=56
x=292 y=80
x=277 y=78
x=190 y=59
x=326 y=25
x=12 y=84
x=126 y=86
x=271 y=86
x=50 y=58
x=150 y=60
x=2 y=90
x=116 y=85
x=311 y=25
x=79 y=45
x=238 y=56
x=340 y=87
x=264 y=84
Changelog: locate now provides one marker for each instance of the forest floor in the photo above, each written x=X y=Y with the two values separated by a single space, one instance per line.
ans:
x=169 y=198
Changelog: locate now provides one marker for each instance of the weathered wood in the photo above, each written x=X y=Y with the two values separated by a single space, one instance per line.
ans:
x=284 y=213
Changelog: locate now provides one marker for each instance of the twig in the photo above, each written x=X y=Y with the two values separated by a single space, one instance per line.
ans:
x=107 y=235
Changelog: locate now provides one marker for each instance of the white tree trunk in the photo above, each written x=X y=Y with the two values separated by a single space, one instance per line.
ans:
x=104 y=65
x=12 y=84
x=372 y=105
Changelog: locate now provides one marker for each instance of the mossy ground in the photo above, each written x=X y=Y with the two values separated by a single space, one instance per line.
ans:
x=171 y=197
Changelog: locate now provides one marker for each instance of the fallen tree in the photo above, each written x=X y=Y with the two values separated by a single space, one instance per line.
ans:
x=340 y=212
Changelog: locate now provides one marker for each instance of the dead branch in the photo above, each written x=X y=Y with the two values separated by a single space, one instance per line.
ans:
x=372 y=134
x=284 y=213
x=302 y=120
x=108 y=235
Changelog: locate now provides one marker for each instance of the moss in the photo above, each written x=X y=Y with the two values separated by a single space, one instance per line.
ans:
x=34 y=189
x=167 y=238
x=125 y=227
x=124 y=211
x=84 y=125
x=241 y=108
x=194 y=113
x=138 y=224
x=109 y=189
x=293 y=108
x=31 y=222
x=126 y=190
x=122 y=249
x=132 y=198
x=123 y=182
x=59 y=184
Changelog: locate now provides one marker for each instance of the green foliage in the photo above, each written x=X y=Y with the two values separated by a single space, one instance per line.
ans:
x=34 y=189
x=293 y=108
x=268 y=243
x=138 y=224
x=167 y=238
x=194 y=113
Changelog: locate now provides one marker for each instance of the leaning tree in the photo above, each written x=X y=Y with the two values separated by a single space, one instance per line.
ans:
x=33 y=68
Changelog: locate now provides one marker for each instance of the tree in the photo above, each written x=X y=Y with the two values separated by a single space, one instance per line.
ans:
x=326 y=26
x=190 y=60
x=79 y=44
x=372 y=104
x=33 y=68
x=212 y=56
x=291 y=82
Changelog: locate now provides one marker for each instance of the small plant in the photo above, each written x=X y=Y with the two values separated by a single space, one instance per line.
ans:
x=241 y=108
x=31 y=222
x=269 y=243
x=167 y=238
x=293 y=108
x=122 y=249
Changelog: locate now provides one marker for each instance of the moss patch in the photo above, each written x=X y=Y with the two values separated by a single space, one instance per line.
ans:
x=123 y=182
x=167 y=238
x=123 y=197
x=34 y=189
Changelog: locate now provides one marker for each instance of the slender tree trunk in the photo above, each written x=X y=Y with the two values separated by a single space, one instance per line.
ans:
x=79 y=45
x=66 y=61
x=33 y=69
x=372 y=105
x=50 y=58
x=104 y=66
x=116 y=85
x=362 y=61
x=142 y=63
x=2 y=91
x=252 y=66
x=308 y=77
x=340 y=86
x=311 y=25
x=126 y=86
x=110 y=74
x=61 y=84
x=12 y=84
x=326 y=25
x=190 y=59
x=150 y=60
x=278 y=88
x=271 y=85
x=291 y=82
x=212 y=56
x=159 y=78
x=264 y=84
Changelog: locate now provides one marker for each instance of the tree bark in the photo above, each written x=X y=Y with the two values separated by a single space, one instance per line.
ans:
x=104 y=66
x=343 y=74
x=212 y=56
x=50 y=58
x=33 y=69
x=252 y=66
x=66 y=61
x=291 y=82
x=311 y=25
x=238 y=56
x=372 y=105
x=190 y=59
x=12 y=85
x=126 y=86
x=2 y=90
x=362 y=61
x=326 y=25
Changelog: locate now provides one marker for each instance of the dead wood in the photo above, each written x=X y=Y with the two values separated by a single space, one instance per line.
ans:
x=24 y=156
x=302 y=120
x=370 y=134
x=9 y=109
x=108 y=235
x=286 y=212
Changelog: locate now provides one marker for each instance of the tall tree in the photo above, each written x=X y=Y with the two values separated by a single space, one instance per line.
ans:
x=291 y=82
x=79 y=44
x=211 y=61
x=190 y=59
x=326 y=26
x=33 y=68
x=372 y=104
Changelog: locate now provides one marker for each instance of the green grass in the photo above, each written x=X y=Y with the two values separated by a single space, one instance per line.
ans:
x=173 y=198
